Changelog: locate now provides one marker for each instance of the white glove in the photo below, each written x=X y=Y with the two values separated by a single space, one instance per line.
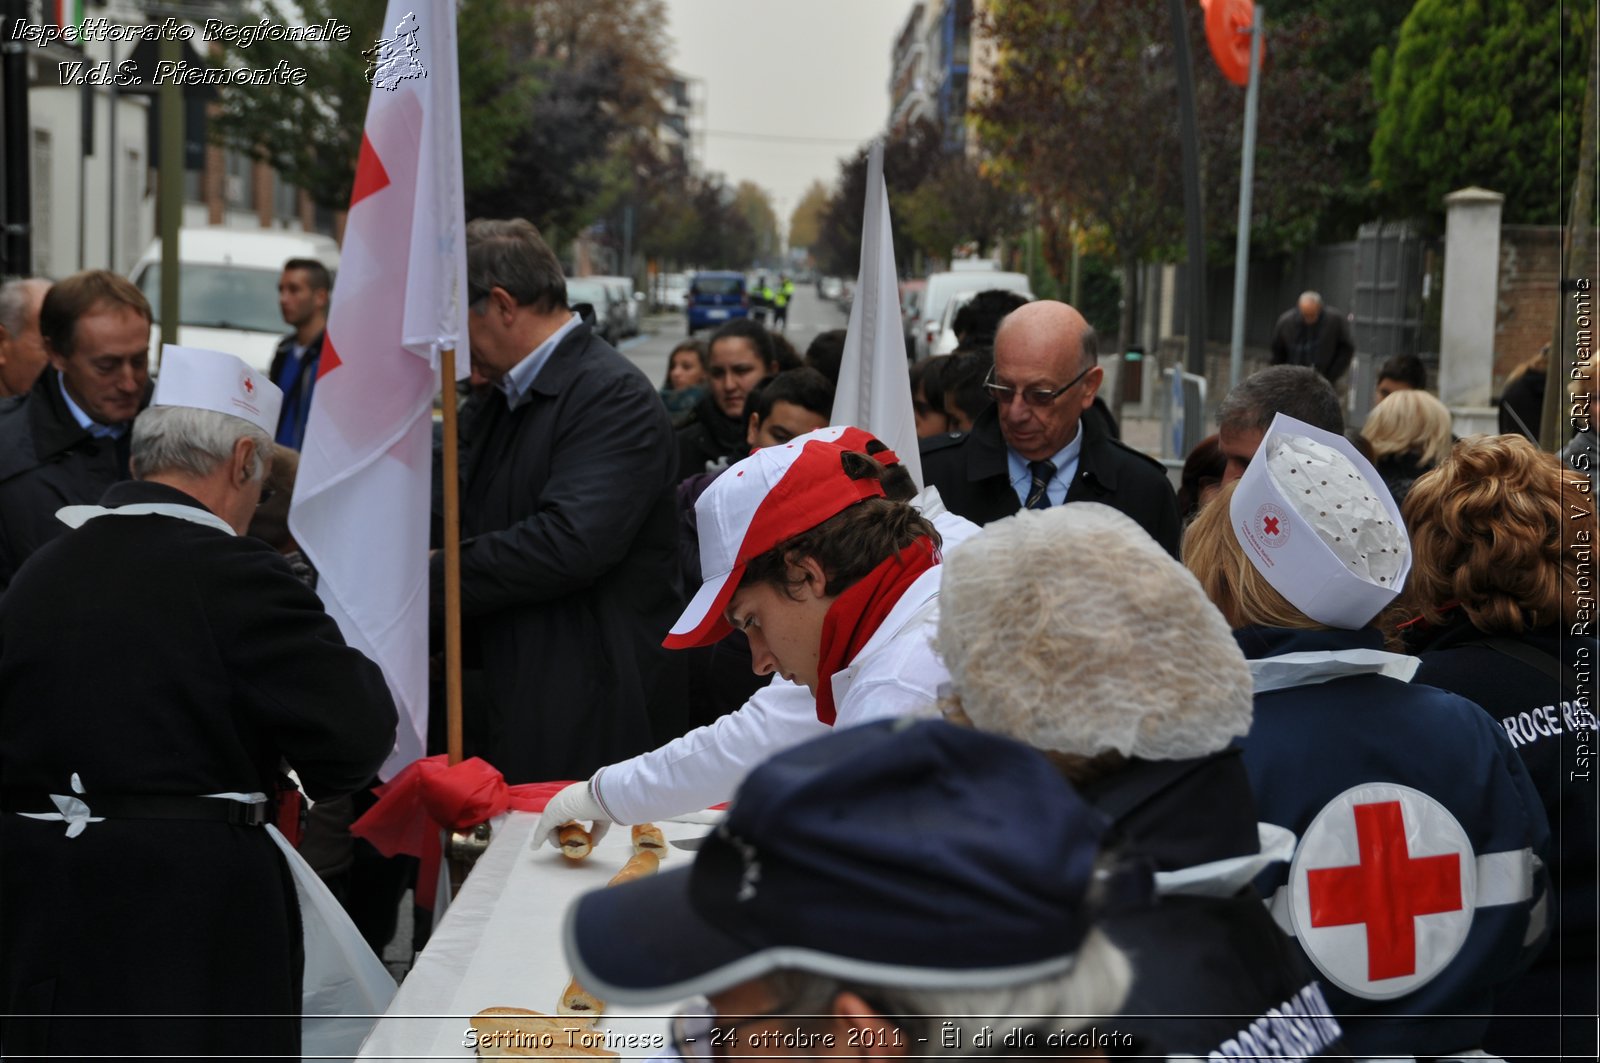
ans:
x=575 y=803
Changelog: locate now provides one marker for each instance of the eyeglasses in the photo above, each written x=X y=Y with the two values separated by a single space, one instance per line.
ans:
x=266 y=495
x=1003 y=394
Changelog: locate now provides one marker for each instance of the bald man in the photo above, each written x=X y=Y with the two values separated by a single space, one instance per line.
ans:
x=1313 y=335
x=22 y=353
x=1034 y=448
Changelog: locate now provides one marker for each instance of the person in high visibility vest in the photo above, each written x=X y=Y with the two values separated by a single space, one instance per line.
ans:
x=780 y=301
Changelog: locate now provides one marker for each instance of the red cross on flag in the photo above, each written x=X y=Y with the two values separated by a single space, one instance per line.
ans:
x=362 y=498
x=1383 y=886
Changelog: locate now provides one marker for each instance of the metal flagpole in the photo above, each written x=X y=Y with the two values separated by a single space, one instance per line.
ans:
x=1247 y=170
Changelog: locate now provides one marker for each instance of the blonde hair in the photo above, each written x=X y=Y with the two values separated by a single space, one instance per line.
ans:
x=1212 y=552
x=1410 y=420
x=1491 y=530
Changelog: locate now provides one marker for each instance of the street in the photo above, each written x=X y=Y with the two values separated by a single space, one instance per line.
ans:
x=809 y=314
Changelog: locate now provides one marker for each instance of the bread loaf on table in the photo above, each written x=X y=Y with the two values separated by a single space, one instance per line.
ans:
x=574 y=841
x=638 y=866
x=577 y=1002
x=647 y=837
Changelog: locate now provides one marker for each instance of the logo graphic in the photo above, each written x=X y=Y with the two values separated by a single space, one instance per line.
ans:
x=248 y=385
x=1271 y=525
x=1383 y=887
x=396 y=59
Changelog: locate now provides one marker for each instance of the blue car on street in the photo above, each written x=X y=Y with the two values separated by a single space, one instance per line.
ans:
x=716 y=298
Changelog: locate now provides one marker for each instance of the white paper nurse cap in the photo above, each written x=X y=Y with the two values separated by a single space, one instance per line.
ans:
x=1316 y=520
x=211 y=380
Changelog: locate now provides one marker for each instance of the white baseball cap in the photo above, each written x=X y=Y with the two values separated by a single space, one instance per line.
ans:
x=764 y=500
x=211 y=380
x=1316 y=520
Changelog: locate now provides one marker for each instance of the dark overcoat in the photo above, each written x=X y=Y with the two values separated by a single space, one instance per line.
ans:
x=46 y=461
x=149 y=655
x=974 y=480
x=568 y=565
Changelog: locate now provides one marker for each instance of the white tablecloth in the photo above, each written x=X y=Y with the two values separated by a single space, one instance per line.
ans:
x=500 y=945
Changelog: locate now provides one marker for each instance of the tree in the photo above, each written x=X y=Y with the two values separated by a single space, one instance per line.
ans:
x=1082 y=114
x=751 y=201
x=958 y=204
x=1481 y=92
x=908 y=160
x=805 y=224
x=311 y=133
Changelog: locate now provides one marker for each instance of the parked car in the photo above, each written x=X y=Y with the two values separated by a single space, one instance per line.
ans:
x=228 y=287
x=948 y=341
x=716 y=297
x=622 y=291
x=674 y=291
x=975 y=276
x=910 y=311
x=610 y=316
x=830 y=288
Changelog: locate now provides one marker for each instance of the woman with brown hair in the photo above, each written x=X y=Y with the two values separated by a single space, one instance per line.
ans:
x=1415 y=881
x=1498 y=607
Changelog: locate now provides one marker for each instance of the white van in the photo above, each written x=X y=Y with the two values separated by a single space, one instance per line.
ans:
x=228 y=287
x=973 y=276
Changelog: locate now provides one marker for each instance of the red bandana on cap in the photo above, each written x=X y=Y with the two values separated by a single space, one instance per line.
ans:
x=855 y=616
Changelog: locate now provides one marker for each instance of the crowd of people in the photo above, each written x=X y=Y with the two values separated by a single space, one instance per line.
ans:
x=1293 y=760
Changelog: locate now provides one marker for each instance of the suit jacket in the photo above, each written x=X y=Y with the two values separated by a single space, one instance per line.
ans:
x=568 y=565
x=1325 y=346
x=47 y=461
x=150 y=655
x=973 y=477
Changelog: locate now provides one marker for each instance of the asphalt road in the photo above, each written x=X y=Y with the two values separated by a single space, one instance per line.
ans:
x=809 y=314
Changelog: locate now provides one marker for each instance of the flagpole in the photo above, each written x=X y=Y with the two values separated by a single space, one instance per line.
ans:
x=451 y=475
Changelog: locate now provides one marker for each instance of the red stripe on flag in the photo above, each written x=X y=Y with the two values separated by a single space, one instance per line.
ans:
x=329 y=360
x=370 y=175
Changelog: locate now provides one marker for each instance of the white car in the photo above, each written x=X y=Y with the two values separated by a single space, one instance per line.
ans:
x=979 y=276
x=228 y=287
x=947 y=340
x=674 y=292
x=624 y=293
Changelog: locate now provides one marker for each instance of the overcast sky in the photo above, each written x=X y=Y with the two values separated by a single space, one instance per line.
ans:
x=816 y=69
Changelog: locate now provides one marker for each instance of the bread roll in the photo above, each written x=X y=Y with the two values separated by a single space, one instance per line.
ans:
x=638 y=866
x=647 y=837
x=574 y=841
x=580 y=1003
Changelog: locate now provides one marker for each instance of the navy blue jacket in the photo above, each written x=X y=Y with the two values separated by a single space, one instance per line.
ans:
x=1411 y=933
x=1543 y=712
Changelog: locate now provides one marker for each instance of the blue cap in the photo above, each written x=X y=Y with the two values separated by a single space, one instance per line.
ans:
x=909 y=853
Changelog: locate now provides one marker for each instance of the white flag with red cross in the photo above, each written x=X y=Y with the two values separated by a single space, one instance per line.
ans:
x=363 y=495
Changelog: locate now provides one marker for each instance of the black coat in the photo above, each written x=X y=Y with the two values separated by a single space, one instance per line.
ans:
x=1324 y=345
x=1211 y=974
x=709 y=439
x=568 y=565
x=1538 y=703
x=153 y=656
x=47 y=461
x=973 y=477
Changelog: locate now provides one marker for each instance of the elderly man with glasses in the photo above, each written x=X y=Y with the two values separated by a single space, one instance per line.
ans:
x=1035 y=449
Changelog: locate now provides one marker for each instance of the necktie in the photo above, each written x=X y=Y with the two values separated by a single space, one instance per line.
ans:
x=1043 y=472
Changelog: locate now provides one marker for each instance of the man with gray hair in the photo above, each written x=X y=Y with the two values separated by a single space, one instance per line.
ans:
x=22 y=353
x=1313 y=335
x=1248 y=409
x=158 y=668
x=568 y=526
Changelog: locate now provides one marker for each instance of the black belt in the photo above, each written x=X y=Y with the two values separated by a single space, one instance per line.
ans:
x=145 y=806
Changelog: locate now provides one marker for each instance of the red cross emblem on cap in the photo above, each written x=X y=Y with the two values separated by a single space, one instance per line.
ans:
x=1382 y=886
x=1270 y=525
x=249 y=386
